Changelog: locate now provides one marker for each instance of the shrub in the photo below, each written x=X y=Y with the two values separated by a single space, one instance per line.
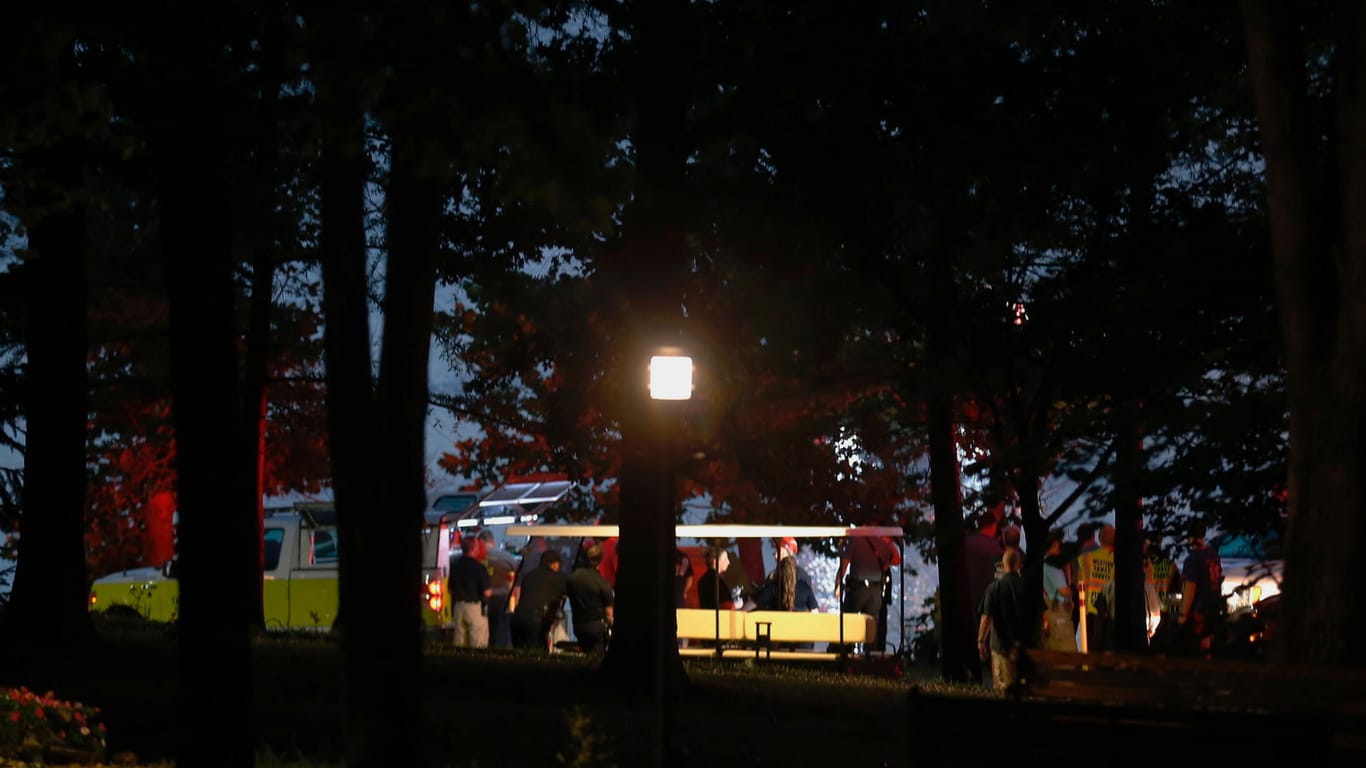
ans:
x=34 y=727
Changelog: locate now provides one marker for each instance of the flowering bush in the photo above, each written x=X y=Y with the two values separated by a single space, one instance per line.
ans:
x=33 y=726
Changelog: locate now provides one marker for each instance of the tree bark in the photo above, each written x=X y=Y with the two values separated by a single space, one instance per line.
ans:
x=48 y=610
x=217 y=535
x=957 y=632
x=1130 y=632
x=1316 y=194
x=394 y=567
x=379 y=643
x=258 y=190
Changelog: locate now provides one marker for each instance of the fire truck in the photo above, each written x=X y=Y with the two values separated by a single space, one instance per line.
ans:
x=299 y=580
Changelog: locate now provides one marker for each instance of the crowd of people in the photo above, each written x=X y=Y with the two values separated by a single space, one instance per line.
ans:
x=496 y=602
x=1066 y=600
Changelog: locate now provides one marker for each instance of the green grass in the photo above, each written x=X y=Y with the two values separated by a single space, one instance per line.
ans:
x=496 y=707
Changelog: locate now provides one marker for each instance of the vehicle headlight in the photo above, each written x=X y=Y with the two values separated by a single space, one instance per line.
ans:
x=1243 y=598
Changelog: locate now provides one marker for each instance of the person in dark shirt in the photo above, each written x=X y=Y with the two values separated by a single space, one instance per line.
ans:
x=982 y=550
x=1202 y=601
x=470 y=587
x=683 y=578
x=787 y=588
x=1006 y=621
x=538 y=600
x=590 y=600
x=713 y=584
x=859 y=580
x=502 y=569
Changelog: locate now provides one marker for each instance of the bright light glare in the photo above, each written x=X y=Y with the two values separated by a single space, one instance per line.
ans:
x=849 y=452
x=670 y=377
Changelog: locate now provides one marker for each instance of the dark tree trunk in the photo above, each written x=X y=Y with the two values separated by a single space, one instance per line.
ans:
x=352 y=424
x=48 y=608
x=957 y=632
x=379 y=636
x=1317 y=206
x=1130 y=633
x=254 y=408
x=1027 y=484
x=217 y=533
x=643 y=654
x=394 y=621
x=259 y=198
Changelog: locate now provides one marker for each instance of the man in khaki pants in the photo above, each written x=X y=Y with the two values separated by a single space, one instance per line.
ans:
x=470 y=588
x=1007 y=613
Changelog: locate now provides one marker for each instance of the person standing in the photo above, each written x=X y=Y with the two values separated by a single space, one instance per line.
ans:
x=590 y=601
x=683 y=578
x=1086 y=536
x=982 y=551
x=502 y=569
x=1058 y=632
x=683 y=581
x=1095 y=569
x=538 y=599
x=1010 y=539
x=1166 y=578
x=1202 y=598
x=712 y=586
x=469 y=587
x=882 y=619
x=858 y=582
x=1006 y=621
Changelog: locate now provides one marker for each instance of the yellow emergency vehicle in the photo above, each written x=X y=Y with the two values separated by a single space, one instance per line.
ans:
x=299 y=580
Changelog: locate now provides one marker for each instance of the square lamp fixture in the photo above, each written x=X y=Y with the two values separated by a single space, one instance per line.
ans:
x=670 y=377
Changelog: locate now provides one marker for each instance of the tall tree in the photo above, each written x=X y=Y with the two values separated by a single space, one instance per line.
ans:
x=378 y=649
x=646 y=272
x=53 y=138
x=190 y=142
x=1307 y=70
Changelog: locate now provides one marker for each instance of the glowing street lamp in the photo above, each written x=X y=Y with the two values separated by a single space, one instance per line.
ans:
x=670 y=377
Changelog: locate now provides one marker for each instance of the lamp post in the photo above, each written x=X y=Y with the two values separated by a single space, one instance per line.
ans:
x=642 y=656
x=670 y=380
x=670 y=375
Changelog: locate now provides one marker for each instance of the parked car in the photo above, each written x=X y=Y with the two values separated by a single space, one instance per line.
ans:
x=1250 y=634
x=1252 y=569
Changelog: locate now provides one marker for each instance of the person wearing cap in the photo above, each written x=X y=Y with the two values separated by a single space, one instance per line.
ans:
x=786 y=588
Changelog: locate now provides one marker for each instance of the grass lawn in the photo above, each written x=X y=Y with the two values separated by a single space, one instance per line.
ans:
x=497 y=708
